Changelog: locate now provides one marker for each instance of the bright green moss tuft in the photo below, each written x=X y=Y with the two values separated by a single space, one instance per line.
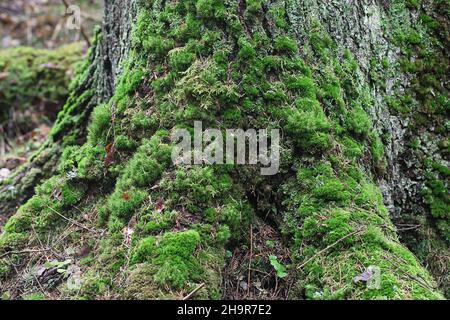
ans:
x=124 y=143
x=197 y=187
x=358 y=121
x=284 y=44
x=12 y=241
x=309 y=127
x=352 y=149
x=141 y=171
x=72 y=194
x=210 y=8
x=155 y=222
x=172 y=256
x=35 y=78
x=100 y=123
x=175 y=258
x=303 y=86
x=180 y=59
x=377 y=147
x=123 y=203
x=86 y=162
x=141 y=121
x=144 y=250
x=331 y=189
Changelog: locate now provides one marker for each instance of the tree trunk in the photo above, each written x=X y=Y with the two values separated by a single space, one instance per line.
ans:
x=94 y=85
x=341 y=81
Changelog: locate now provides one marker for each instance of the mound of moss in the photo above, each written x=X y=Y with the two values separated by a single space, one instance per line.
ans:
x=34 y=83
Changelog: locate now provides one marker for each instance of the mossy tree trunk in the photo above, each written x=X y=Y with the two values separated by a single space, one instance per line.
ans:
x=141 y=227
x=94 y=85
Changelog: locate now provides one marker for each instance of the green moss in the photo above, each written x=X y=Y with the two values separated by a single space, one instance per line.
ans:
x=156 y=222
x=197 y=187
x=124 y=143
x=140 y=284
x=358 y=121
x=4 y=268
x=247 y=50
x=284 y=44
x=332 y=215
x=352 y=149
x=85 y=162
x=332 y=190
x=304 y=86
x=321 y=41
x=278 y=13
x=253 y=5
x=22 y=220
x=377 y=147
x=34 y=296
x=12 y=241
x=309 y=127
x=175 y=258
x=72 y=194
x=144 y=250
x=237 y=217
x=180 y=59
x=101 y=121
x=412 y=4
x=37 y=79
x=436 y=195
x=172 y=256
x=429 y=22
x=210 y=9
x=123 y=203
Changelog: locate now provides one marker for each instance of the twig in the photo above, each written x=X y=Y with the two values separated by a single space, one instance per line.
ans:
x=72 y=221
x=330 y=246
x=24 y=251
x=194 y=291
x=40 y=286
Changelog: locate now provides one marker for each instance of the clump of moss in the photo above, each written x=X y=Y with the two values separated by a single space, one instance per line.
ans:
x=436 y=195
x=4 y=268
x=210 y=9
x=172 y=257
x=36 y=80
x=284 y=44
x=358 y=121
x=85 y=162
x=72 y=193
x=309 y=126
x=196 y=188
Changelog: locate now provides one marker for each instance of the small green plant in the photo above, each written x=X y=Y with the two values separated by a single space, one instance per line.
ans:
x=279 y=268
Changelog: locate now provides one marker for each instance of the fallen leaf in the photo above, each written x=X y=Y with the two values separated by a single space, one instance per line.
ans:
x=110 y=154
x=159 y=206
